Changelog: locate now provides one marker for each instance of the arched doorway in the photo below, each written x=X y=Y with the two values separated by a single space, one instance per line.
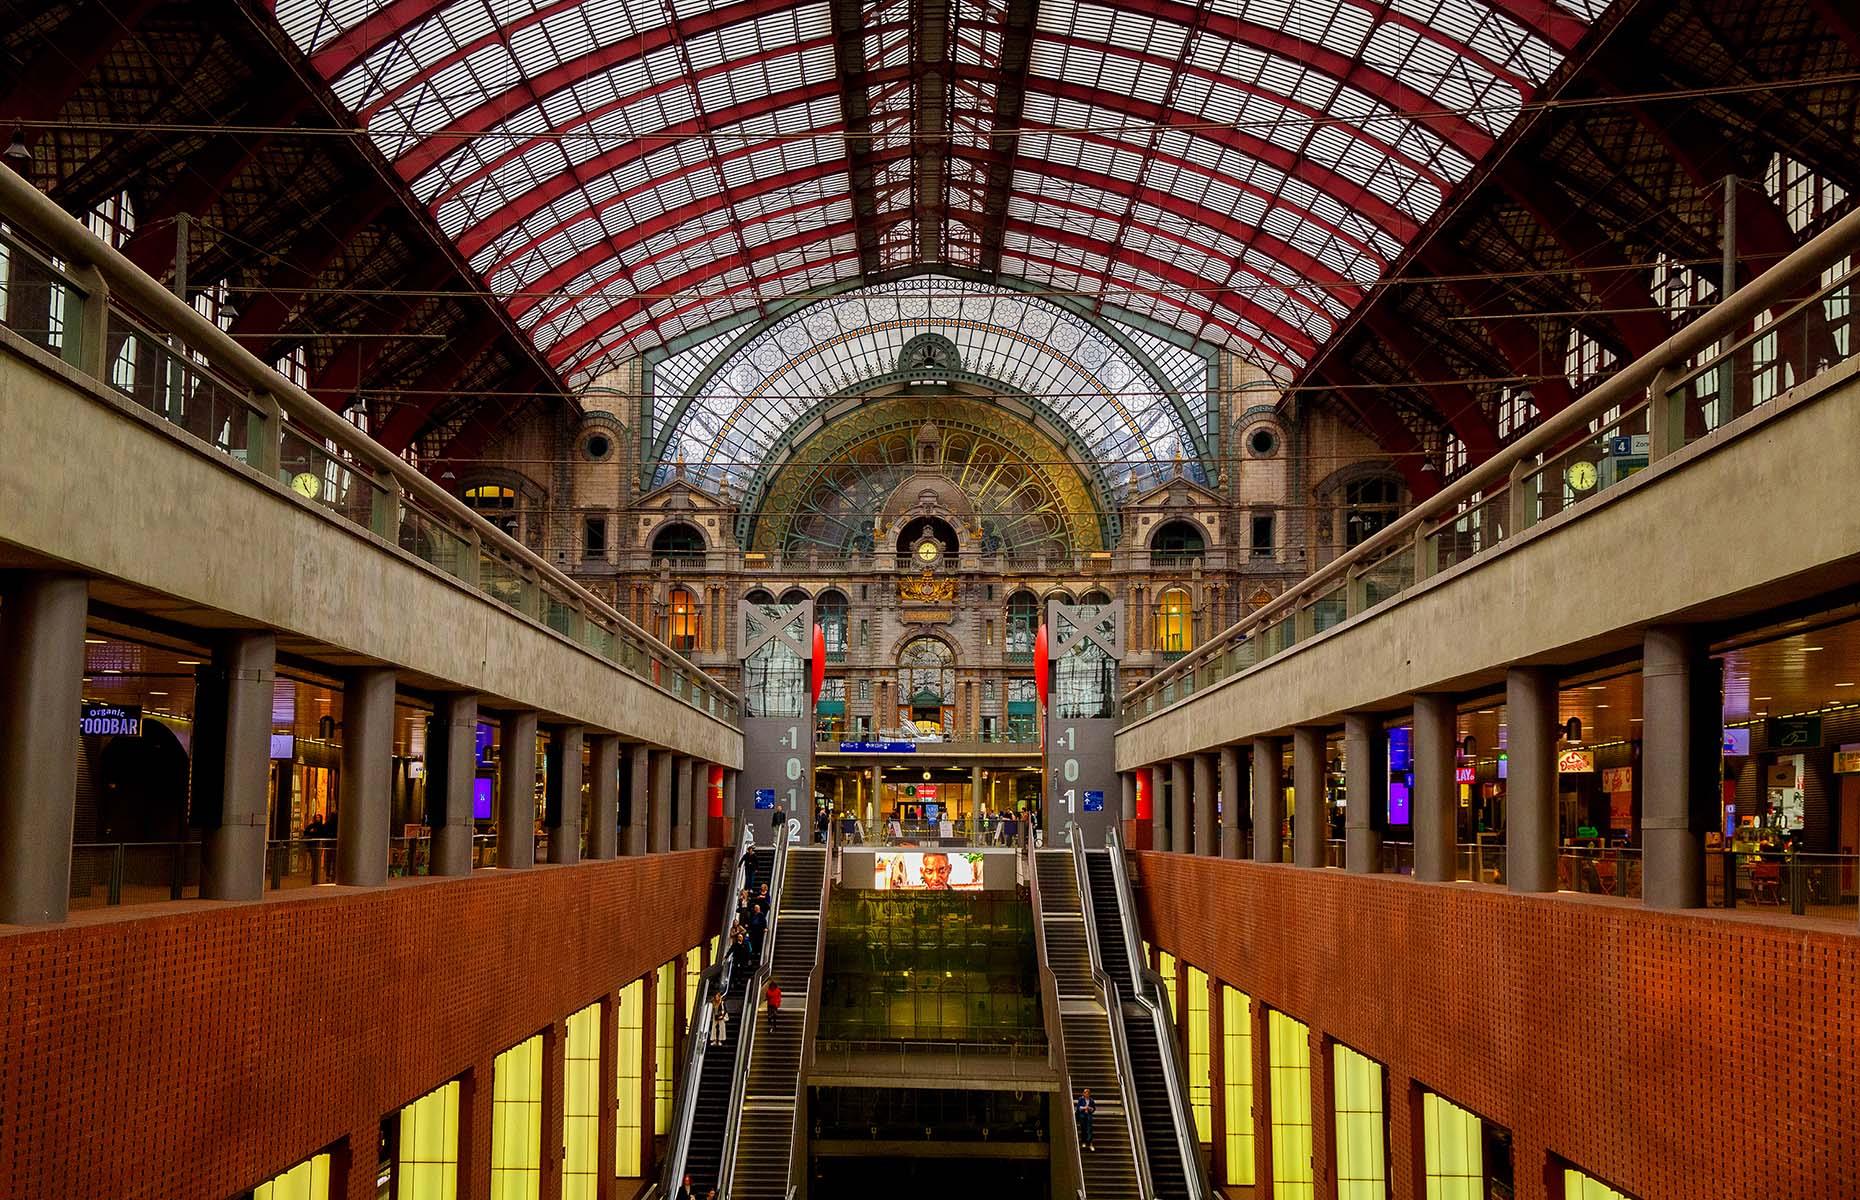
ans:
x=926 y=684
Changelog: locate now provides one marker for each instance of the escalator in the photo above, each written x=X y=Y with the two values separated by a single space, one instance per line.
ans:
x=716 y=1068
x=1091 y=1060
x=759 y=1159
x=1158 y=1078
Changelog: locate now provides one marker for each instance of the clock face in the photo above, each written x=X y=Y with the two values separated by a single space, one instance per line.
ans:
x=1582 y=476
x=928 y=551
x=306 y=485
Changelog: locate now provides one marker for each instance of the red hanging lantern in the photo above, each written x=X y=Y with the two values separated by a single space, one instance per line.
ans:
x=1042 y=670
x=817 y=666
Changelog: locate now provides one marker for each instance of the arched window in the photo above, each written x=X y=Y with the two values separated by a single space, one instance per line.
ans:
x=830 y=614
x=1097 y=596
x=926 y=682
x=679 y=542
x=1023 y=620
x=496 y=504
x=1176 y=543
x=682 y=621
x=793 y=595
x=1369 y=505
x=759 y=596
x=1175 y=622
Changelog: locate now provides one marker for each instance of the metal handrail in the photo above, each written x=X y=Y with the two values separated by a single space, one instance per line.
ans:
x=1624 y=388
x=716 y=976
x=71 y=240
x=1055 y=1029
x=810 y=1024
x=1155 y=998
x=746 y=1039
x=1114 y=1013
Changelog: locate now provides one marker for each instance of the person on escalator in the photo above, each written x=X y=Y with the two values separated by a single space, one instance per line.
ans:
x=1086 y=1107
x=771 y=996
x=684 y=1191
x=719 y=1020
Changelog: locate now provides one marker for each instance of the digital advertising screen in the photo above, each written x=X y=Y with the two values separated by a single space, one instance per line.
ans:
x=927 y=871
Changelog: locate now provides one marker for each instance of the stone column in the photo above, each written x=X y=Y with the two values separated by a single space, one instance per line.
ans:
x=699 y=810
x=1310 y=824
x=1233 y=801
x=975 y=794
x=1204 y=803
x=875 y=802
x=681 y=802
x=562 y=813
x=41 y=685
x=516 y=800
x=1268 y=800
x=604 y=795
x=659 y=806
x=450 y=789
x=1159 y=806
x=732 y=819
x=1681 y=702
x=1181 y=839
x=1436 y=805
x=367 y=777
x=232 y=764
x=1530 y=784
x=1127 y=799
x=1365 y=790
x=639 y=797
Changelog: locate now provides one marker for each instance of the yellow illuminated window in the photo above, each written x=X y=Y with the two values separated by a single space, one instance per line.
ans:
x=1288 y=1045
x=1175 y=622
x=1361 y=1136
x=1577 y=1186
x=427 y=1166
x=516 y=1122
x=1165 y=966
x=694 y=975
x=308 y=1180
x=629 y=1078
x=1200 y=1083
x=664 y=1014
x=1237 y=1084
x=684 y=620
x=581 y=1105
x=1455 y=1163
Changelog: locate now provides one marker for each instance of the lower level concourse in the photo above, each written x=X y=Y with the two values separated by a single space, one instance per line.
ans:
x=798 y=599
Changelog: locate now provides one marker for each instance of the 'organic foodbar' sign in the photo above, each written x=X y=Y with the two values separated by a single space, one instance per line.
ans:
x=110 y=720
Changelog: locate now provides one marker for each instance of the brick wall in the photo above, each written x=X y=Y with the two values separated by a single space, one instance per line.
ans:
x=195 y=1054
x=1672 y=1055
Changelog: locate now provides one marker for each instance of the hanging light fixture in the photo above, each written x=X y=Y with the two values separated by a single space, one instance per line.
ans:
x=18 y=154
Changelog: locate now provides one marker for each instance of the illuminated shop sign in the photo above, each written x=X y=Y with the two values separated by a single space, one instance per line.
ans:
x=110 y=720
x=1575 y=762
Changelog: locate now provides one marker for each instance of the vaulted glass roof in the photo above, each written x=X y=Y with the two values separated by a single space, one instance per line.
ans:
x=1133 y=402
x=622 y=172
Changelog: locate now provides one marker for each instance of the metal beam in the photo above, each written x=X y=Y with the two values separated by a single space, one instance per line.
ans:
x=1454 y=402
x=286 y=282
x=1518 y=341
x=849 y=34
x=420 y=399
x=1010 y=101
x=347 y=368
x=59 y=64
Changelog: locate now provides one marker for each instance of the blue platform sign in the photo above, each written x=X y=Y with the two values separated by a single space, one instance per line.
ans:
x=765 y=797
x=1094 y=801
x=878 y=747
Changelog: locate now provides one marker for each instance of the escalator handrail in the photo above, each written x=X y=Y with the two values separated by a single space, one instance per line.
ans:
x=810 y=1024
x=1154 y=997
x=1055 y=1032
x=1114 y=1012
x=684 y=1116
x=746 y=1030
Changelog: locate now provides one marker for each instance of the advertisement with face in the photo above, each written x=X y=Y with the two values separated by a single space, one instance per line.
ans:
x=927 y=871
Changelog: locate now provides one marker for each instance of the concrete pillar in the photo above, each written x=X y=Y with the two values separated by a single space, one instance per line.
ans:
x=1310 y=813
x=1127 y=801
x=875 y=802
x=682 y=806
x=1530 y=784
x=1683 y=709
x=41 y=685
x=562 y=812
x=1159 y=806
x=1268 y=800
x=700 y=804
x=451 y=781
x=732 y=819
x=516 y=799
x=1204 y=803
x=975 y=794
x=603 y=795
x=1233 y=801
x=639 y=799
x=659 y=805
x=1365 y=791
x=367 y=777
x=1436 y=805
x=1181 y=839
x=232 y=764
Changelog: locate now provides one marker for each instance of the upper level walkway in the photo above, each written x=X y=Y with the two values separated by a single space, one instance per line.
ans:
x=1704 y=483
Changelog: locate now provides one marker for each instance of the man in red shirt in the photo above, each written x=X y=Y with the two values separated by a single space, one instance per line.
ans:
x=771 y=996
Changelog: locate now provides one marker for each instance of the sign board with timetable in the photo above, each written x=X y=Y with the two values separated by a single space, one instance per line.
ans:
x=778 y=711
x=1084 y=644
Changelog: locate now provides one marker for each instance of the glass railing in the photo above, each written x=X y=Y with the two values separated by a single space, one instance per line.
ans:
x=1599 y=871
x=115 y=323
x=1825 y=885
x=1686 y=389
x=112 y=873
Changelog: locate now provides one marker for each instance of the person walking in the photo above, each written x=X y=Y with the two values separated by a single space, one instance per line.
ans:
x=778 y=822
x=771 y=996
x=1085 y=1108
x=719 y=1020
